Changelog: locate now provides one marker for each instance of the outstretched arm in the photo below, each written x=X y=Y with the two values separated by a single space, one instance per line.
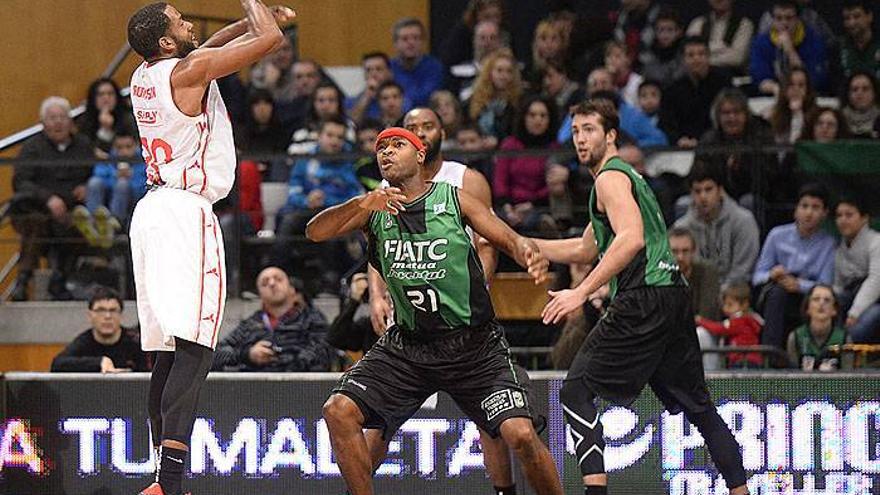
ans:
x=353 y=214
x=228 y=33
x=613 y=190
x=524 y=251
x=576 y=250
x=205 y=64
x=477 y=185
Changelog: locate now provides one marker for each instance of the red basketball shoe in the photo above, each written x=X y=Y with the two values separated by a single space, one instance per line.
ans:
x=155 y=489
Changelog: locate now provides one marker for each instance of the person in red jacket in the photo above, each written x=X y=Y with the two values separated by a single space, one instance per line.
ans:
x=741 y=327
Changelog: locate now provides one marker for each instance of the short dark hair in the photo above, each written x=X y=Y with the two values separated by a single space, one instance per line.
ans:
x=806 y=300
x=102 y=293
x=703 y=170
x=336 y=119
x=382 y=55
x=145 y=28
x=370 y=123
x=651 y=82
x=865 y=5
x=694 y=40
x=814 y=190
x=860 y=73
x=388 y=84
x=682 y=232
x=856 y=202
x=738 y=292
x=405 y=23
x=785 y=4
x=602 y=107
x=469 y=126
x=425 y=108
x=667 y=13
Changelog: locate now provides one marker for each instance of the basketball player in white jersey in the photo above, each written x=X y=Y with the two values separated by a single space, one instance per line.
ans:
x=427 y=125
x=176 y=243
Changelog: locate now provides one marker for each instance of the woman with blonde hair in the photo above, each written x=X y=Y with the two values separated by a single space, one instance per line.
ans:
x=496 y=95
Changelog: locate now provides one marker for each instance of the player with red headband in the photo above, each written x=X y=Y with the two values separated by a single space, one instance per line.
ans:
x=445 y=337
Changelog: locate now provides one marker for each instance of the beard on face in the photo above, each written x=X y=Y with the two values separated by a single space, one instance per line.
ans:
x=596 y=155
x=184 y=46
x=433 y=150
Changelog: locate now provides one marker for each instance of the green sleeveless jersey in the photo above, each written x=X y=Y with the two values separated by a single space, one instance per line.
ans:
x=654 y=265
x=429 y=264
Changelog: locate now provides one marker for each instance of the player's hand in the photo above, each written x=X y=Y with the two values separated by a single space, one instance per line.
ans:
x=282 y=14
x=389 y=199
x=380 y=313
x=777 y=272
x=359 y=286
x=790 y=284
x=315 y=199
x=56 y=206
x=536 y=264
x=261 y=353
x=850 y=321
x=562 y=303
x=107 y=366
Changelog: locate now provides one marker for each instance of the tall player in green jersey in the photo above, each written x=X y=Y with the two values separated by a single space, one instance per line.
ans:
x=647 y=334
x=445 y=337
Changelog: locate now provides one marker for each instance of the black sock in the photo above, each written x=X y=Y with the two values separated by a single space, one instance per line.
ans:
x=595 y=490
x=505 y=490
x=171 y=470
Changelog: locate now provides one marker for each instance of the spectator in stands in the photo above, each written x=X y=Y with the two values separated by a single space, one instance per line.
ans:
x=650 y=100
x=793 y=103
x=487 y=39
x=810 y=17
x=377 y=70
x=702 y=276
x=748 y=170
x=635 y=26
x=447 y=106
x=325 y=104
x=261 y=133
x=45 y=194
x=809 y=345
x=726 y=233
x=351 y=330
x=857 y=271
x=859 y=48
x=367 y=167
x=316 y=184
x=794 y=258
x=789 y=44
x=458 y=43
x=687 y=103
x=307 y=74
x=106 y=115
x=417 y=72
x=106 y=347
x=274 y=73
x=626 y=81
x=635 y=125
x=742 y=326
x=861 y=109
x=118 y=184
x=469 y=139
x=519 y=183
x=496 y=96
x=391 y=103
x=662 y=60
x=556 y=84
x=548 y=43
x=287 y=334
x=825 y=125
x=729 y=34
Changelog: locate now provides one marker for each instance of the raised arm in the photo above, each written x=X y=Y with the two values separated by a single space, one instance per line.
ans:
x=353 y=214
x=524 y=251
x=614 y=196
x=228 y=33
x=205 y=64
x=575 y=250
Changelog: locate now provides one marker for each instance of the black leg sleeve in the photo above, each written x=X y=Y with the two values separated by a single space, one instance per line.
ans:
x=579 y=407
x=191 y=364
x=161 y=368
x=722 y=445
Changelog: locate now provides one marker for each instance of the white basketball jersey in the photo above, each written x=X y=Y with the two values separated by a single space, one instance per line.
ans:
x=196 y=154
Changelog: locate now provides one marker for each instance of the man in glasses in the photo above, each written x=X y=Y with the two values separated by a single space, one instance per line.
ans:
x=107 y=346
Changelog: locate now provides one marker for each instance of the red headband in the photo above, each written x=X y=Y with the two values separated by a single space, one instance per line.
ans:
x=400 y=132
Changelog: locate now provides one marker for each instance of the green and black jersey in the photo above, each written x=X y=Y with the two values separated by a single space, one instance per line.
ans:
x=429 y=264
x=654 y=265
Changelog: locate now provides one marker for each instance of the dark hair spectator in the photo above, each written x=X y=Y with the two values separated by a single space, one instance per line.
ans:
x=662 y=60
x=795 y=100
x=392 y=100
x=625 y=79
x=824 y=125
x=859 y=48
x=810 y=346
x=860 y=104
x=107 y=114
x=741 y=327
x=729 y=35
x=419 y=73
x=260 y=131
x=326 y=103
x=458 y=46
x=857 y=270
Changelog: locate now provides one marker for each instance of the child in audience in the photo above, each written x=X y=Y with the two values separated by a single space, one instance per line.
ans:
x=650 y=97
x=741 y=327
x=810 y=345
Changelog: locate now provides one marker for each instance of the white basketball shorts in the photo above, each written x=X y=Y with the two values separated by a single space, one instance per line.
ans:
x=179 y=269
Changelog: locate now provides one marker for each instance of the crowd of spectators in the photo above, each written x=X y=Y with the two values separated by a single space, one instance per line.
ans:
x=677 y=82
